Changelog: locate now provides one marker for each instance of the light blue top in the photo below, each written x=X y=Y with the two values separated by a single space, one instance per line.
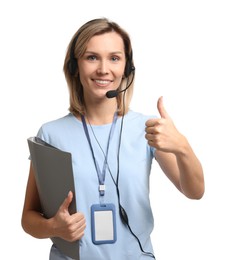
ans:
x=136 y=156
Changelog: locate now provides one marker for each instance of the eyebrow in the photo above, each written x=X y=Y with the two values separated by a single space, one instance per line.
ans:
x=113 y=53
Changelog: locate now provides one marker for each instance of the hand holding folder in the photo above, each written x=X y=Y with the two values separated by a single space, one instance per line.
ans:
x=54 y=179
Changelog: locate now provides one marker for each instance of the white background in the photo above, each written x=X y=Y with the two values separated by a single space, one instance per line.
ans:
x=181 y=51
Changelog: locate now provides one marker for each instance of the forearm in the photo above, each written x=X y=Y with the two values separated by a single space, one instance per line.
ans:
x=191 y=173
x=36 y=225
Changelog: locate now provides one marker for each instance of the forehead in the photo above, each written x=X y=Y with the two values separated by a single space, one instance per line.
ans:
x=110 y=41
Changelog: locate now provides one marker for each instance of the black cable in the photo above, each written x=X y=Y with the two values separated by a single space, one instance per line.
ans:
x=122 y=212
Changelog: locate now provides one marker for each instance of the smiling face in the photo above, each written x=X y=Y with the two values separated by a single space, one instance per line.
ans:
x=101 y=68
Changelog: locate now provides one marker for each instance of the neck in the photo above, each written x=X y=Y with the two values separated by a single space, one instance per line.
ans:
x=102 y=113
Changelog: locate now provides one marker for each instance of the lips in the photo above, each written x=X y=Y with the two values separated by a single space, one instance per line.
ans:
x=102 y=82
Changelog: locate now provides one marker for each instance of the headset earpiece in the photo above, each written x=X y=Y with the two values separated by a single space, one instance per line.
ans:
x=128 y=69
x=129 y=66
x=72 y=63
x=72 y=66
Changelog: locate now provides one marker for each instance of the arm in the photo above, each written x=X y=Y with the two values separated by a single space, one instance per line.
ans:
x=175 y=155
x=64 y=225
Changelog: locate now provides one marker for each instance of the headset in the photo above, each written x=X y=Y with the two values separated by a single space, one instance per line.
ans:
x=73 y=63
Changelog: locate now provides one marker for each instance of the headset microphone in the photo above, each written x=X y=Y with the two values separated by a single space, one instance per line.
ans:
x=114 y=93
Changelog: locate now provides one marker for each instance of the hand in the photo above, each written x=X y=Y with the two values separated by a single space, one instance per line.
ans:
x=162 y=134
x=69 y=227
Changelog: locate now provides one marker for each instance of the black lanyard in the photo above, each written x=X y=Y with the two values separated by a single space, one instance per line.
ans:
x=101 y=174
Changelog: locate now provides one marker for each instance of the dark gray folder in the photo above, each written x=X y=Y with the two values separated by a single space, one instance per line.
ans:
x=54 y=179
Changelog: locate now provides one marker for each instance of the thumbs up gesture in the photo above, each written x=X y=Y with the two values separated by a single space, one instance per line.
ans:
x=68 y=227
x=161 y=133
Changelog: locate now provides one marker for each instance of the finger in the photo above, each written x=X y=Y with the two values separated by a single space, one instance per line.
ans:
x=81 y=223
x=79 y=232
x=78 y=217
x=67 y=201
x=149 y=137
x=151 y=130
x=78 y=221
x=79 y=226
x=160 y=106
x=151 y=122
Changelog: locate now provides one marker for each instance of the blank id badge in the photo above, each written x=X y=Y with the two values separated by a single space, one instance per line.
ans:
x=103 y=224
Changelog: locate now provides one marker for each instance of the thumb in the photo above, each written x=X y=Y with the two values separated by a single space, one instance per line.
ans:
x=67 y=201
x=160 y=106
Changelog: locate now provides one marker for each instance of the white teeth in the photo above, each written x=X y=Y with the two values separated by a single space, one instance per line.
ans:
x=102 y=81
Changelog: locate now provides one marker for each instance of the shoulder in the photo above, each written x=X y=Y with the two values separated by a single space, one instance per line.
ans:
x=135 y=121
x=58 y=122
x=135 y=127
x=137 y=117
x=57 y=126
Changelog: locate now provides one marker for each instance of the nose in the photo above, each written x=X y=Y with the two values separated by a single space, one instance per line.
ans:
x=103 y=67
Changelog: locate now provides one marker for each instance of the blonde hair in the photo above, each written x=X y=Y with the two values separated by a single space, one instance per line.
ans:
x=77 y=48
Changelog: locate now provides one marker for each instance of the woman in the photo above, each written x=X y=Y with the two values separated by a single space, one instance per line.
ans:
x=112 y=149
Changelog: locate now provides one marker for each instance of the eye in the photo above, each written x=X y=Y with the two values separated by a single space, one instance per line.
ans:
x=115 y=58
x=91 y=57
